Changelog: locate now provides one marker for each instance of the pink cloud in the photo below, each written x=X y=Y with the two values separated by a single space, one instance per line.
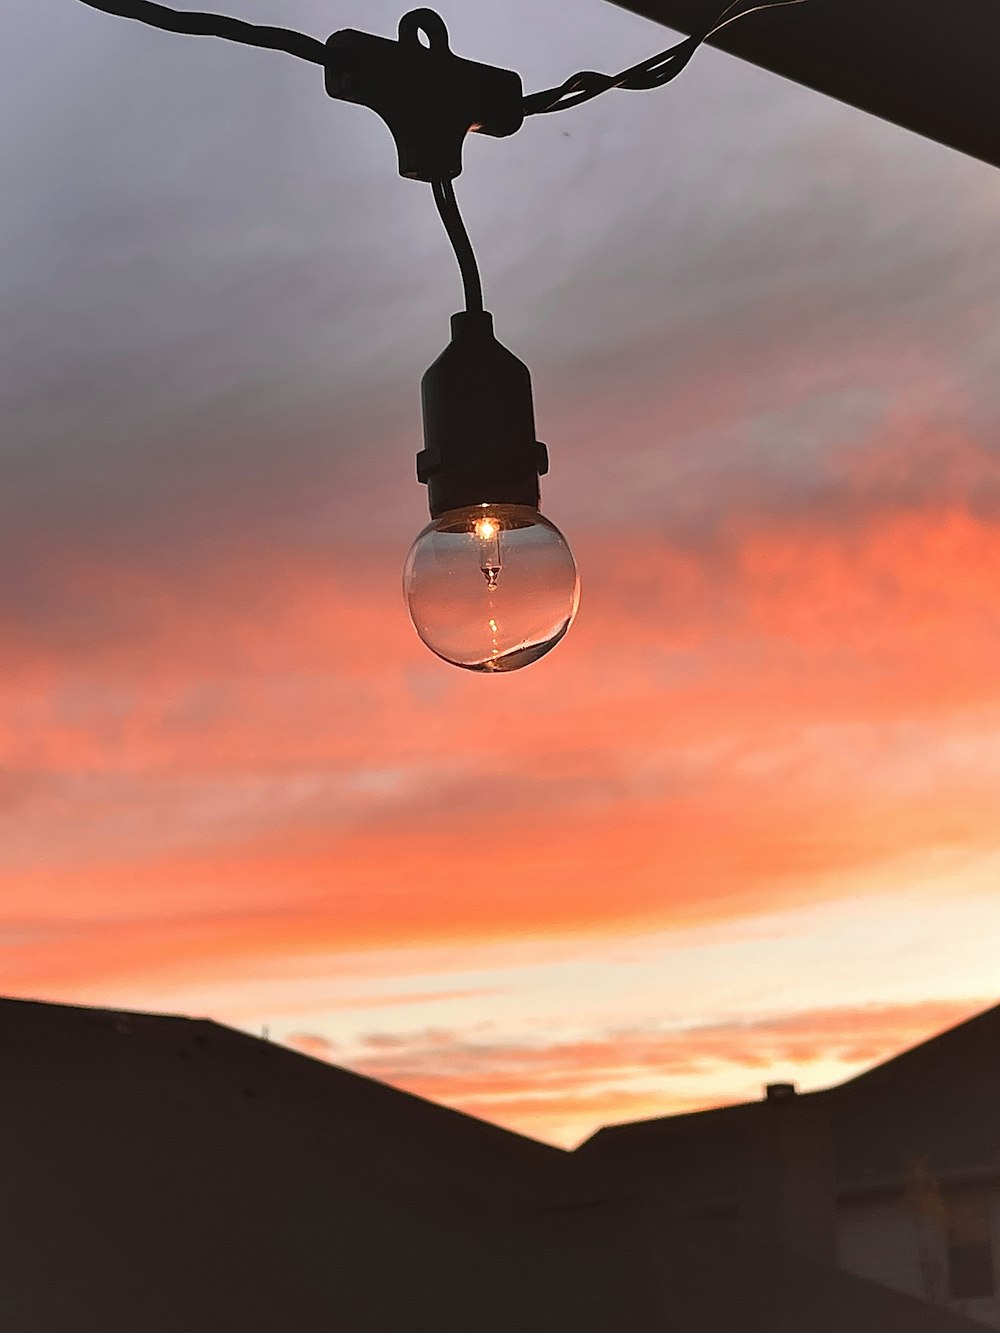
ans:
x=570 y=1087
x=736 y=727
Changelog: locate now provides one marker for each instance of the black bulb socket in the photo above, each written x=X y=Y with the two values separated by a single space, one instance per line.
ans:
x=479 y=423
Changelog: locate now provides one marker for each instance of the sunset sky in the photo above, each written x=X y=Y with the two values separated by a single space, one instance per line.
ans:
x=744 y=823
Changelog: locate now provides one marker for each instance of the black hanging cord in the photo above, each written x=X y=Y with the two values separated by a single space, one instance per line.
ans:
x=215 y=25
x=447 y=206
x=651 y=73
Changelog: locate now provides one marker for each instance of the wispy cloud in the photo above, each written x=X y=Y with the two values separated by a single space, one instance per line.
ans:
x=767 y=737
x=562 y=1087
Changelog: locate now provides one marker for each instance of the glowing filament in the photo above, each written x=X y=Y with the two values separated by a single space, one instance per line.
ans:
x=487 y=531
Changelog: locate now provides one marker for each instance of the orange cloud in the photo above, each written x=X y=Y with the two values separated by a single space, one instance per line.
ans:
x=736 y=726
x=309 y=1043
x=568 y=1088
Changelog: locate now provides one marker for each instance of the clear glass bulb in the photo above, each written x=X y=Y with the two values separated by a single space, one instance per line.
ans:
x=491 y=587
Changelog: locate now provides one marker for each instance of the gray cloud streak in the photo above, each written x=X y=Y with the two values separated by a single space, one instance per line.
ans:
x=217 y=297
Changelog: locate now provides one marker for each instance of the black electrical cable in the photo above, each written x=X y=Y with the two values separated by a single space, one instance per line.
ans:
x=215 y=25
x=651 y=73
x=447 y=206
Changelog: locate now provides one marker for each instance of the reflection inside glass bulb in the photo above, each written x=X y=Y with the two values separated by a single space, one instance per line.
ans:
x=471 y=616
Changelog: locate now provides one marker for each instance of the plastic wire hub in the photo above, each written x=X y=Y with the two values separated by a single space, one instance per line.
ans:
x=429 y=97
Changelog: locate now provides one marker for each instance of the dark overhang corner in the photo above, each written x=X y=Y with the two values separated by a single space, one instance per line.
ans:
x=928 y=68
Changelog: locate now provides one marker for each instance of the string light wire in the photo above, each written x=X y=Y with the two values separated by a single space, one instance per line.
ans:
x=215 y=25
x=447 y=206
x=653 y=72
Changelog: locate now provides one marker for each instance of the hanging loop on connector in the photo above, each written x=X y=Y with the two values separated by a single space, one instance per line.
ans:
x=429 y=97
x=427 y=22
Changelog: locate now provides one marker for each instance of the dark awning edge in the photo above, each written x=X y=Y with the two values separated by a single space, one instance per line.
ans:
x=928 y=68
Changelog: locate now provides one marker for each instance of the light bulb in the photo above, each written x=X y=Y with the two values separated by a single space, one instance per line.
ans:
x=491 y=587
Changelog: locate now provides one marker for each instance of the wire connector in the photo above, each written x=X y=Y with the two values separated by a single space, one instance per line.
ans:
x=429 y=97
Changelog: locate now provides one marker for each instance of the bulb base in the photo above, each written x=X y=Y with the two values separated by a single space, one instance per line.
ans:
x=479 y=423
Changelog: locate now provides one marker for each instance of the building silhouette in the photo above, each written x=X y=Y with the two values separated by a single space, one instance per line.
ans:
x=893 y=1175
x=169 y=1175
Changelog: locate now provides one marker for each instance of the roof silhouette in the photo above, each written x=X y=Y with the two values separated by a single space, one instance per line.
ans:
x=938 y=1100
x=162 y=1174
